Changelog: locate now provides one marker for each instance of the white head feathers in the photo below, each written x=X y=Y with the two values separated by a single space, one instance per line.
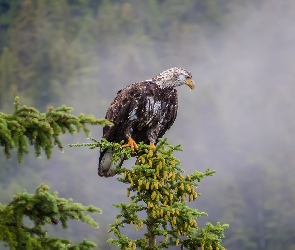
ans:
x=174 y=77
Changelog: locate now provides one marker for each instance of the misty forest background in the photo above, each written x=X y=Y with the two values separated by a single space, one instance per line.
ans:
x=239 y=120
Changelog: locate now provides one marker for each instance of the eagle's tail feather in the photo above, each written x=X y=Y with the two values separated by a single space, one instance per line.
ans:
x=106 y=167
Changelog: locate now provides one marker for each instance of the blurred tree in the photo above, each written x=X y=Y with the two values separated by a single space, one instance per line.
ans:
x=8 y=12
x=107 y=23
x=127 y=13
x=28 y=43
x=154 y=20
x=234 y=209
x=8 y=77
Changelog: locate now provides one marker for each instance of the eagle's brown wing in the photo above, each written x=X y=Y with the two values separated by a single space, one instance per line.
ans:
x=124 y=114
x=123 y=111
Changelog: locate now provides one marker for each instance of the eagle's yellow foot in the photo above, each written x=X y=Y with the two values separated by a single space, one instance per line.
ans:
x=132 y=144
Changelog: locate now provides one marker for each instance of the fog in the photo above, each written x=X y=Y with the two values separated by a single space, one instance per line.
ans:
x=239 y=121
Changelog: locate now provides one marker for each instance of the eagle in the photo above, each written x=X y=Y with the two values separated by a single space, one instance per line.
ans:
x=142 y=112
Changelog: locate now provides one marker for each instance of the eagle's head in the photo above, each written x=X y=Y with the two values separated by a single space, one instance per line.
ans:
x=174 y=77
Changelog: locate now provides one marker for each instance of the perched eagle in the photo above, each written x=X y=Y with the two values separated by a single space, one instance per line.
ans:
x=142 y=111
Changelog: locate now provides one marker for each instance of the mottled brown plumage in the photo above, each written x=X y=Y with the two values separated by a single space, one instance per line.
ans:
x=143 y=111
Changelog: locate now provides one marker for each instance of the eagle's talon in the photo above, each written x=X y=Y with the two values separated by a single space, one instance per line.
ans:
x=132 y=144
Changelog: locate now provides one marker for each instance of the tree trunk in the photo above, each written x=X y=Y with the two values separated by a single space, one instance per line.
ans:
x=151 y=230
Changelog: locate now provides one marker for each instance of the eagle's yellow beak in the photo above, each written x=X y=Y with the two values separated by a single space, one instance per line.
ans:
x=190 y=83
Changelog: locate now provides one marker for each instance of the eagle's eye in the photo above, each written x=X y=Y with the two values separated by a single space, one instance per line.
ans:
x=181 y=78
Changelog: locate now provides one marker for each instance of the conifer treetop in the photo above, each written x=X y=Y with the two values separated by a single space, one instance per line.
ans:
x=158 y=187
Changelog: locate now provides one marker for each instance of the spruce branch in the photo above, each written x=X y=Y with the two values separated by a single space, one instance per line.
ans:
x=42 y=130
x=41 y=208
x=117 y=148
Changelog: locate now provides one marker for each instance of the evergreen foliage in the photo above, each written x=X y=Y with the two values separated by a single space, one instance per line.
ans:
x=157 y=187
x=42 y=130
x=41 y=208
